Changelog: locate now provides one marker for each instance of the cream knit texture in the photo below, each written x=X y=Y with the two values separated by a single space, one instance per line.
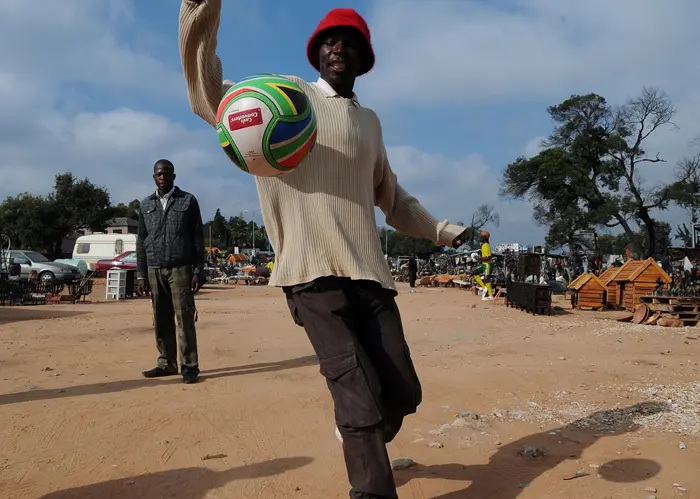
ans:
x=320 y=218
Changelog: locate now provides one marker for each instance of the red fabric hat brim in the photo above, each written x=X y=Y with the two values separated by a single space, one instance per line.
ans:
x=342 y=18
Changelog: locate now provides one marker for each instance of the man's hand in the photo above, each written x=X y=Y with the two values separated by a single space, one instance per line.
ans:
x=459 y=240
x=197 y=282
x=143 y=287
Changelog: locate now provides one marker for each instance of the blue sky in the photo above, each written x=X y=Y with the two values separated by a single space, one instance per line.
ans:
x=95 y=87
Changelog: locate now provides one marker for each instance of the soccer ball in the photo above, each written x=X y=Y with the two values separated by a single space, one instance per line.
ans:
x=266 y=125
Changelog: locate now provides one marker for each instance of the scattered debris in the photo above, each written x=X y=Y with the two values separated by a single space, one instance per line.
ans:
x=532 y=452
x=402 y=463
x=578 y=474
x=670 y=322
x=682 y=446
x=435 y=445
x=47 y=369
x=129 y=482
x=650 y=489
x=214 y=456
x=468 y=415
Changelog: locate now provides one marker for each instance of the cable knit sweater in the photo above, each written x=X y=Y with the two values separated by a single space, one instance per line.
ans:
x=320 y=218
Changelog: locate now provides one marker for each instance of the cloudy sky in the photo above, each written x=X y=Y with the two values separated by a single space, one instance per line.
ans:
x=94 y=87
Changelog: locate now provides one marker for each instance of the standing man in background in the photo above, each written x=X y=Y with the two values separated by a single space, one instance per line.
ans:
x=484 y=280
x=412 y=271
x=170 y=256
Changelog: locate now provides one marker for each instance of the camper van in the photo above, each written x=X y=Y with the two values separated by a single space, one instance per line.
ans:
x=99 y=246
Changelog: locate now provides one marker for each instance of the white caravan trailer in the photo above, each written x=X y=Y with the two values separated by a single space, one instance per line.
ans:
x=99 y=246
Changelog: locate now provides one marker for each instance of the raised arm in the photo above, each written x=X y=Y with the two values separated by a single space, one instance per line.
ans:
x=199 y=24
x=404 y=212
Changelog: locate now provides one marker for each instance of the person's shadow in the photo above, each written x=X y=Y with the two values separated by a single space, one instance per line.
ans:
x=190 y=483
x=508 y=471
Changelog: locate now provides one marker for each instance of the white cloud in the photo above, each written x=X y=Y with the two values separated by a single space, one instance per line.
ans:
x=459 y=53
x=45 y=128
x=534 y=146
x=454 y=188
x=473 y=53
x=470 y=51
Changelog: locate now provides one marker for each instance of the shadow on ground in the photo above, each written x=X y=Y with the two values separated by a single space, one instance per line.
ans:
x=19 y=313
x=132 y=384
x=184 y=483
x=508 y=472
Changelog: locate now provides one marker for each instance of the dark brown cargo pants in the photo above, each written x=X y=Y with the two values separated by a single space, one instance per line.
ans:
x=173 y=302
x=355 y=329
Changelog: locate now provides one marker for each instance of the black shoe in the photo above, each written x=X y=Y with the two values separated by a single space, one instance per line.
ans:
x=189 y=378
x=159 y=372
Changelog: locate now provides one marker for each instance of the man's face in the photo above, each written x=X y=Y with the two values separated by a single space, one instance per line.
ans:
x=164 y=177
x=339 y=55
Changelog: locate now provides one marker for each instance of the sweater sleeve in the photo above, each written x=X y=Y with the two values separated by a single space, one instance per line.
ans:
x=403 y=211
x=199 y=24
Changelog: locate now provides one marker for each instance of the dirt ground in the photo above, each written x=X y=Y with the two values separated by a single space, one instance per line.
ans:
x=617 y=403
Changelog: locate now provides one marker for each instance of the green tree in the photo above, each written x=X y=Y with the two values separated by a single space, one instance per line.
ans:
x=30 y=222
x=130 y=210
x=587 y=176
x=79 y=205
x=239 y=231
x=685 y=235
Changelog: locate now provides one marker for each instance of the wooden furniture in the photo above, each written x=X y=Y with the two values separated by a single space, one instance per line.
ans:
x=588 y=292
x=533 y=298
x=529 y=264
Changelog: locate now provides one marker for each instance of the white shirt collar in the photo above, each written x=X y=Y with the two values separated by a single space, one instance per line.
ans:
x=165 y=196
x=330 y=92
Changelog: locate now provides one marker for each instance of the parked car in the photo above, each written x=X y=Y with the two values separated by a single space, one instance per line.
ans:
x=124 y=261
x=46 y=270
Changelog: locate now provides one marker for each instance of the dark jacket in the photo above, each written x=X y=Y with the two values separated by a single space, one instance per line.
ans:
x=172 y=238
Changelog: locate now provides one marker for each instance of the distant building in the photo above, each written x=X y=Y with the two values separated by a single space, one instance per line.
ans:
x=514 y=247
x=119 y=225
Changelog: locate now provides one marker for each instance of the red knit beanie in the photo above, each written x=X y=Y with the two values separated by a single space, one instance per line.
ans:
x=334 y=19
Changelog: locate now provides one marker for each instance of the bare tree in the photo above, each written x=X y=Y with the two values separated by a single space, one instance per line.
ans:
x=482 y=216
x=634 y=122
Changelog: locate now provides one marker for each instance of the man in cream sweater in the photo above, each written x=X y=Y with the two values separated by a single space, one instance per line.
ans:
x=320 y=220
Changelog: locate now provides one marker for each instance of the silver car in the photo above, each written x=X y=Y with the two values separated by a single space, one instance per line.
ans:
x=46 y=270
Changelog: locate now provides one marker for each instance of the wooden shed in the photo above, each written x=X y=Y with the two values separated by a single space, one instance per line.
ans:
x=588 y=291
x=610 y=285
x=638 y=278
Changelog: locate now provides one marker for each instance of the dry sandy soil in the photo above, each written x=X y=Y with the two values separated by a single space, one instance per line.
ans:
x=79 y=421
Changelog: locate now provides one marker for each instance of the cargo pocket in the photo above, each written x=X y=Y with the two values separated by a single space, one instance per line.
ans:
x=355 y=404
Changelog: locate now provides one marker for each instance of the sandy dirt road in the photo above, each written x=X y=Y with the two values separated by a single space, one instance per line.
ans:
x=617 y=402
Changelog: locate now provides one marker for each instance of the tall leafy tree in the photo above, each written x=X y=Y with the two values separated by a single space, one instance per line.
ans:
x=588 y=175
x=30 y=222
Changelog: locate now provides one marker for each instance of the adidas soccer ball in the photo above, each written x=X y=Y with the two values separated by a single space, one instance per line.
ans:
x=266 y=125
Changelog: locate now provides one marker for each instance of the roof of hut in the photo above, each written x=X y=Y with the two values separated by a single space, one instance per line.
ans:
x=582 y=280
x=646 y=264
x=609 y=274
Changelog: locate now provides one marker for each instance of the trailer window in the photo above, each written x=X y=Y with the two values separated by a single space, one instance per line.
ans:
x=83 y=248
x=119 y=247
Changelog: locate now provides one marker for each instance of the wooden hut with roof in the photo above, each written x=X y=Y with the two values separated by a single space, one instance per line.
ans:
x=637 y=278
x=610 y=286
x=588 y=291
